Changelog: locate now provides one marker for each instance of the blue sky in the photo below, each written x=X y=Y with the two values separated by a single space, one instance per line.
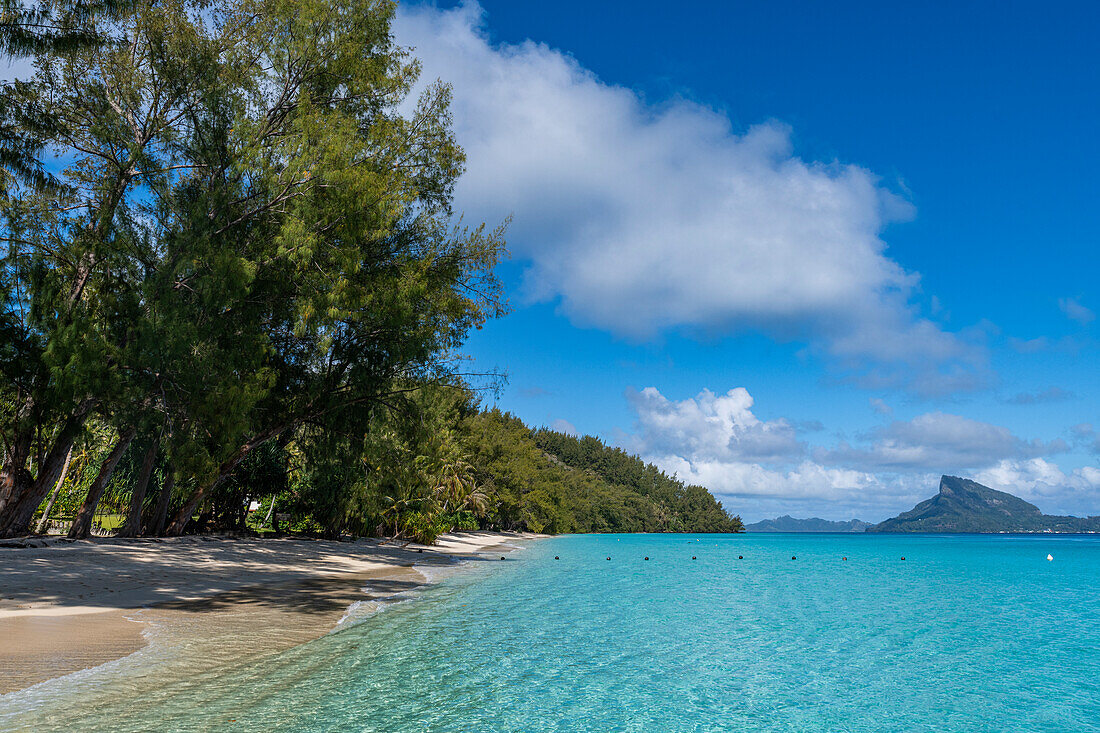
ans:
x=809 y=256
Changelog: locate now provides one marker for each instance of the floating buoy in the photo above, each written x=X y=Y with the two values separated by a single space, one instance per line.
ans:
x=502 y=557
x=903 y=557
x=843 y=558
x=609 y=558
x=556 y=557
x=740 y=557
x=793 y=557
x=647 y=558
x=1050 y=557
x=693 y=557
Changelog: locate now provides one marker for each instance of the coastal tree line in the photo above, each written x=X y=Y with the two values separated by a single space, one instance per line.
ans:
x=231 y=272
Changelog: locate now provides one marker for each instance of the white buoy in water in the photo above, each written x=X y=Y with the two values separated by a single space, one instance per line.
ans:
x=1050 y=557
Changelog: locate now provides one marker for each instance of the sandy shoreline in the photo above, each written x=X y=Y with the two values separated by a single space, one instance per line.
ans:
x=71 y=606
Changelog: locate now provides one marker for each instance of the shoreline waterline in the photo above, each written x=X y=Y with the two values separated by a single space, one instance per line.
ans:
x=213 y=602
x=673 y=632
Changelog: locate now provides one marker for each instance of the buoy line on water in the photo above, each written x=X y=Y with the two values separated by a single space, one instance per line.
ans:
x=793 y=557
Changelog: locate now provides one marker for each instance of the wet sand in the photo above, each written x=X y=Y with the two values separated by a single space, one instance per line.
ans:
x=38 y=648
x=71 y=606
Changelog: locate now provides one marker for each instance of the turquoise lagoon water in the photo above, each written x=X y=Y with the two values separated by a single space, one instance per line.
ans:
x=968 y=633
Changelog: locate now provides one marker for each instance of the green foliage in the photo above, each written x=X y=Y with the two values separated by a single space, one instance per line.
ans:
x=423 y=527
x=404 y=464
x=437 y=464
x=251 y=239
x=247 y=259
x=27 y=28
x=550 y=482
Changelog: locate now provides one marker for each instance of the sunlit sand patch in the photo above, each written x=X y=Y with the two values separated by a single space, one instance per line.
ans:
x=175 y=645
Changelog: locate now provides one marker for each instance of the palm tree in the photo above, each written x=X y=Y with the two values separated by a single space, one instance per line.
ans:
x=394 y=506
x=457 y=488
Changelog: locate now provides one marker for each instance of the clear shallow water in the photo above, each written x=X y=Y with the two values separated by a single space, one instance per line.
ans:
x=969 y=633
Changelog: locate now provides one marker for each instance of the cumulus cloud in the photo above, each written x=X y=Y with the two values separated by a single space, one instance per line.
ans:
x=804 y=489
x=938 y=441
x=806 y=480
x=641 y=218
x=1045 y=483
x=761 y=468
x=563 y=426
x=1075 y=311
x=710 y=427
x=715 y=440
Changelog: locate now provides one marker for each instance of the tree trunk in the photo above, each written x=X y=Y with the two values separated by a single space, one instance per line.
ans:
x=14 y=477
x=270 y=511
x=160 y=514
x=18 y=483
x=16 y=516
x=184 y=515
x=132 y=528
x=44 y=523
x=82 y=523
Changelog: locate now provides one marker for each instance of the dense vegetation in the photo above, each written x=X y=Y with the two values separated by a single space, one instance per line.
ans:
x=547 y=481
x=231 y=276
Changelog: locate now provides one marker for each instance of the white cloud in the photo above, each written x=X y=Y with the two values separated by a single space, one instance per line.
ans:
x=1046 y=484
x=807 y=489
x=938 y=442
x=563 y=426
x=760 y=468
x=710 y=427
x=806 y=480
x=644 y=218
x=1075 y=311
x=716 y=441
x=1015 y=476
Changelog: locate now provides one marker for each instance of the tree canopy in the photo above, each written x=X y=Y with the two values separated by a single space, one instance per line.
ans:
x=231 y=272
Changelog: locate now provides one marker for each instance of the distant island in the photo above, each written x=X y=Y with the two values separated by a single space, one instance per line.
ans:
x=963 y=505
x=788 y=523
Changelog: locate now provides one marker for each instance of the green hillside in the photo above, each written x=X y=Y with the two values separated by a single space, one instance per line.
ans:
x=963 y=505
x=546 y=481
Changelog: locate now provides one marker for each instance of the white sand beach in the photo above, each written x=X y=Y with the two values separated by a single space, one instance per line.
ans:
x=68 y=606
